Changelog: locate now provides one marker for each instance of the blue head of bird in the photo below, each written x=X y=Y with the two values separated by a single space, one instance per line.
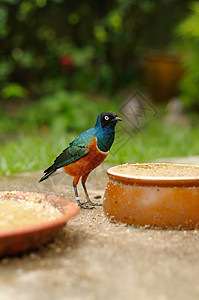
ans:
x=105 y=127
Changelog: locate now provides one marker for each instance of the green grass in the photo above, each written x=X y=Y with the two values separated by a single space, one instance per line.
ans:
x=30 y=153
x=156 y=140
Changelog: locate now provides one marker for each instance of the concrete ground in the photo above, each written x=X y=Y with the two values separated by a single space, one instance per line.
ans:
x=95 y=259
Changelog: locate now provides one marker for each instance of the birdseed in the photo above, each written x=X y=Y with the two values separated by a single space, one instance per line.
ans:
x=156 y=170
x=19 y=213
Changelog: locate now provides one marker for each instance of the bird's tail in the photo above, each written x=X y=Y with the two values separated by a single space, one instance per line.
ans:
x=46 y=175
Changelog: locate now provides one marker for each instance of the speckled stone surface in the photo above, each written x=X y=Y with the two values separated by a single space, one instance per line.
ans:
x=95 y=259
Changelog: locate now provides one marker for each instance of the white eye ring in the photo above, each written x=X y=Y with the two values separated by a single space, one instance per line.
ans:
x=106 y=118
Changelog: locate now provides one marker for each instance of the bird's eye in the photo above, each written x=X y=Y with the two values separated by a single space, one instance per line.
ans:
x=106 y=118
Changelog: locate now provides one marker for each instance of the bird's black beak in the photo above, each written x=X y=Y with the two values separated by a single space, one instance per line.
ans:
x=117 y=119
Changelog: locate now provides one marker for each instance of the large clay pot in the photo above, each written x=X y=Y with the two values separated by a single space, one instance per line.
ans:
x=162 y=73
x=162 y=201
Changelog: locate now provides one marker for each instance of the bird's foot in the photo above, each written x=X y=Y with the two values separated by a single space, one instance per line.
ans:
x=82 y=205
x=89 y=202
x=87 y=197
x=92 y=203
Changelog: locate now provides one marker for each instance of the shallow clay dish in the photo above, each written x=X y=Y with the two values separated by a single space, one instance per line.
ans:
x=54 y=211
x=162 y=195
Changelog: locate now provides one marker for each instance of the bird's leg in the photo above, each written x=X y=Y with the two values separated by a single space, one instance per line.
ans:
x=77 y=199
x=87 y=196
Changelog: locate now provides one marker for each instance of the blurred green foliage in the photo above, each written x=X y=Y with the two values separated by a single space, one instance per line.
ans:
x=56 y=56
x=31 y=152
x=14 y=90
x=80 y=45
x=63 y=111
x=156 y=140
x=58 y=112
x=188 y=43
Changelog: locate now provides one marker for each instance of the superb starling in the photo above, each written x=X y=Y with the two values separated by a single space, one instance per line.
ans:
x=86 y=153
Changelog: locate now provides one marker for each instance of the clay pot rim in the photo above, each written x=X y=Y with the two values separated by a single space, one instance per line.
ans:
x=156 y=180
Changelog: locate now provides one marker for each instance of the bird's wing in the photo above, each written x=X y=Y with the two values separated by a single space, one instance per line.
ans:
x=68 y=156
x=77 y=149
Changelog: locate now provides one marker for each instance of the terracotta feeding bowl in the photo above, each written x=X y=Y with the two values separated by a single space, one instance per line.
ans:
x=153 y=194
x=28 y=220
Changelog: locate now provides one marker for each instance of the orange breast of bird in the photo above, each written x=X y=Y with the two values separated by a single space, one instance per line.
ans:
x=88 y=162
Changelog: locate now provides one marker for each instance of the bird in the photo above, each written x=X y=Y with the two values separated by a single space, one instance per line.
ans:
x=85 y=153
